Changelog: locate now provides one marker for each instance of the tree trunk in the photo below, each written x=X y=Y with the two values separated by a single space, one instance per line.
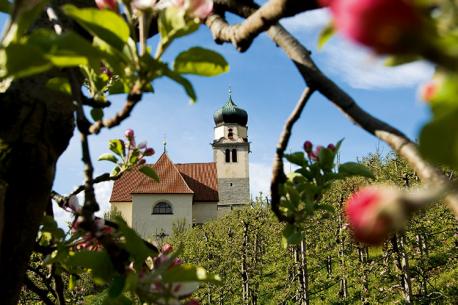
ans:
x=244 y=269
x=363 y=253
x=402 y=262
x=36 y=125
x=301 y=261
x=343 y=291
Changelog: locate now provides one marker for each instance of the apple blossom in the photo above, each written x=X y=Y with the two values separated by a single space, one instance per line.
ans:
x=387 y=26
x=107 y=4
x=308 y=146
x=166 y=249
x=373 y=212
x=196 y=8
x=129 y=133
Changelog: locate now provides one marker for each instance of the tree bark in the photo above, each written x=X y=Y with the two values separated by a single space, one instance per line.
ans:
x=402 y=262
x=36 y=125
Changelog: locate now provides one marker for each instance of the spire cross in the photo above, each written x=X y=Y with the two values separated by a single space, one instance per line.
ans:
x=164 y=142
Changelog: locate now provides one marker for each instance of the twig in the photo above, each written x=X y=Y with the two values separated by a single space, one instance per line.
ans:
x=278 y=175
x=133 y=98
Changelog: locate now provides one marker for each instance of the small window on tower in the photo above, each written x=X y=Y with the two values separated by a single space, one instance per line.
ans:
x=234 y=155
x=230 y=134
x=228 y=156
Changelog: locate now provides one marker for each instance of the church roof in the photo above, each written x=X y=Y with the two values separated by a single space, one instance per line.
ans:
x=230 y=113
x=193 y=178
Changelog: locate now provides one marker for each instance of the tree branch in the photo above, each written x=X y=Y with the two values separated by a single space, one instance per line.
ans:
x=242 y=35
x=278 y=175
x=43 y=294
x=133 y=98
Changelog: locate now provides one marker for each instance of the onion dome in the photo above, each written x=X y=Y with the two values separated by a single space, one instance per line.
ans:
x=230 y=113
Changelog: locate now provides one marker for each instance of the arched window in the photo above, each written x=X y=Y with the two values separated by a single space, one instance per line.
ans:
x=230 y=134
x=228 y=156
x=162 y=208
x=234 y=155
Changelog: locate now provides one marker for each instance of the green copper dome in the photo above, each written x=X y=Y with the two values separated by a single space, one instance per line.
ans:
x=230 y=113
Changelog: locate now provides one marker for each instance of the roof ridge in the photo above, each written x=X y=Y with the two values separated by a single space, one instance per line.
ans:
x=213 y=162
x=181 y=176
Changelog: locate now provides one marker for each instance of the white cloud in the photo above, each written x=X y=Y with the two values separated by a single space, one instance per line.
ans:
x=361 y=69
x=260 y=179
x=307 y=21
x=102 y=194
x=355 y=65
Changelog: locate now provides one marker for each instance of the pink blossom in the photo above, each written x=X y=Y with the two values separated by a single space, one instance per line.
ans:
x=129 y=133
x=387 y=26
x=373 y=212
x=308 y=146
x=332 y=147
x=107 y=4
x=196 y=8
x=166 y=249
x=149 y=152
x=143 y=5
x=142 y=145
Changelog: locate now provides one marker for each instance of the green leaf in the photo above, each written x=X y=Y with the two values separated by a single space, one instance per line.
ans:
x=97 y=114
x=439 y=140
x=116 y=171
x=117 y=286
x=108 y=157
x=172 y=23
x=105 y=24
x=117 y=147
x=326 y=159
x=355 y=169
x=200 y=61
x=60 y=84
x=189 y=273
x=297 y=158
x=98 y=262
x=290 y=236
x=16 y=61
x=326 y=33
x=5 y=6
x=150 y=172
x=393 y=61
x=134 y=244
x=119 y=300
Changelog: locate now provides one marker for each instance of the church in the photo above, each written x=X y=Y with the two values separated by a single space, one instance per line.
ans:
x=190 y=193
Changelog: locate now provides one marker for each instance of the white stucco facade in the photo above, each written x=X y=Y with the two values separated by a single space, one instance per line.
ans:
x=125 y=208
x=148 y=225
x=203 y=212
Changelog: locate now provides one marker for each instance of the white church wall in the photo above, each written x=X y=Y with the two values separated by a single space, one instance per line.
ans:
x=125 y=208
x=149 y=225
x=203 y=212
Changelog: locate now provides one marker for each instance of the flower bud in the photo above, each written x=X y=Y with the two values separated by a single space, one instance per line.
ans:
x=332 y=147
x=196 y=8
x=141 y=162
x=308 y=146
x=373 y=212
x=149 y=152
x=143 y=5
x=142 y=145
x=129 y=133
x=192 y=302
x=387 y=26
x=107 y=4
x=166 y=249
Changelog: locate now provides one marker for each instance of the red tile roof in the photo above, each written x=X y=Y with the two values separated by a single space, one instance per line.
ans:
x=197 y=178
x=202 y=179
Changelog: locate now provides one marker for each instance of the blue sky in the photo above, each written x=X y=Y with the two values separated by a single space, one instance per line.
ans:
x=265 y=83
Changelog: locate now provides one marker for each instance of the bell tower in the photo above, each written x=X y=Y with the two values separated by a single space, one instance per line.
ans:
x=230 y=153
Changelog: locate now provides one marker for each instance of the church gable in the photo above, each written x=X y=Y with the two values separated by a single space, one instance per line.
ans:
x=170 y=180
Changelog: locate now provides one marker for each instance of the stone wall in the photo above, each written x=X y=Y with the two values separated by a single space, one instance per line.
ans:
x=233 y=191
